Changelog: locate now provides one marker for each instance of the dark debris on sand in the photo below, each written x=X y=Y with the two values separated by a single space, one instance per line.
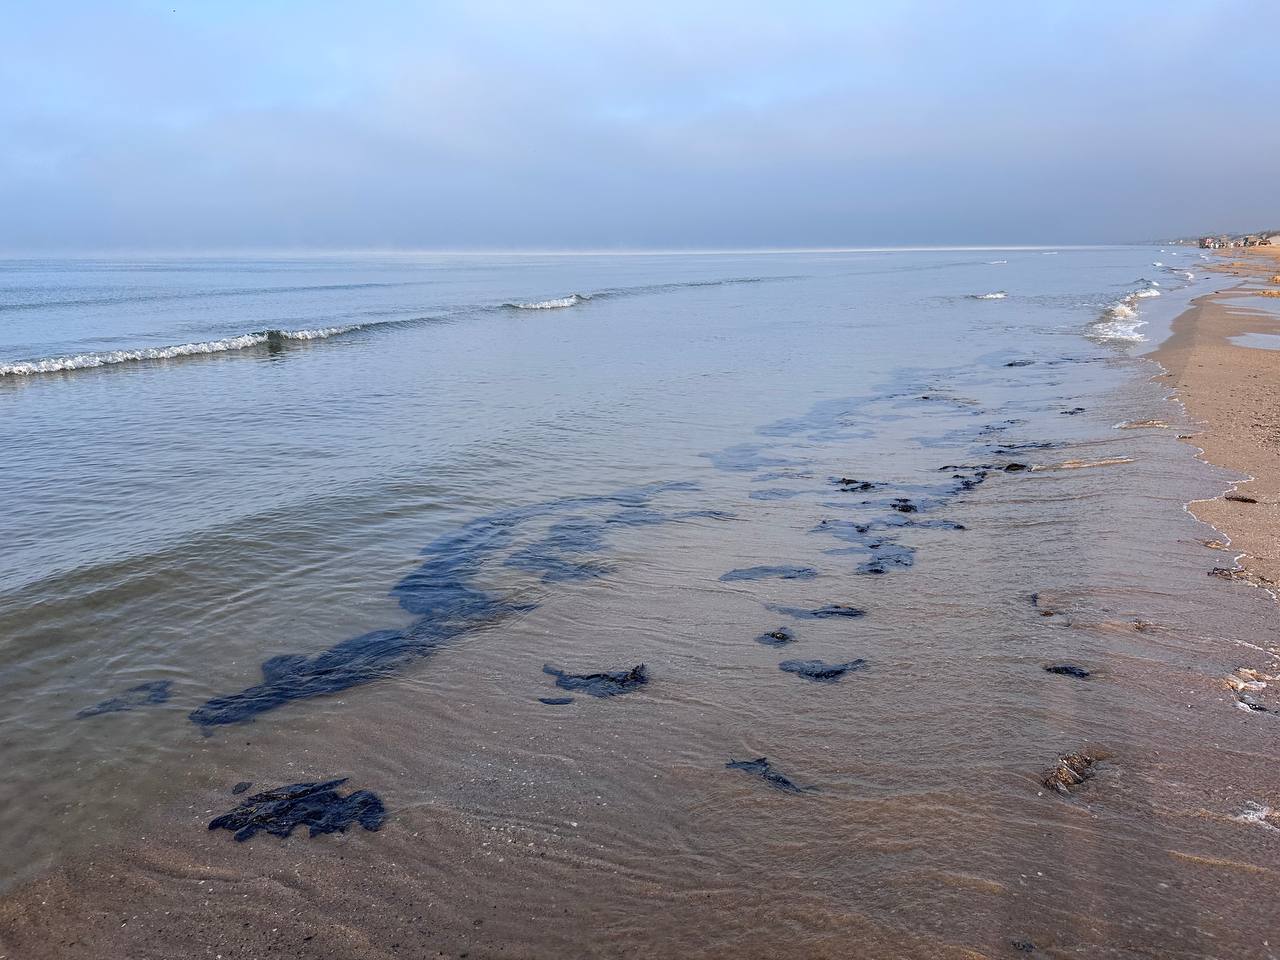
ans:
x=605 y=684
x=1068 y=670
x=856 y=486
x=828 y=612
x=1072 y=770
x=447 y=602
x=819 y=670
x=763 y=769
x=358 y=660
x=776 y=638
x=780 y=572
x=143 y=695
x=317 y=806
x=877 y=536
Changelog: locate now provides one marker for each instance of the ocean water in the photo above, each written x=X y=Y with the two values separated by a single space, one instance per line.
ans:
x=421 y=479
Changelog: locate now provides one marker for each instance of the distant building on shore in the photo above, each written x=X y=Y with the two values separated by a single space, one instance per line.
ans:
x=1265 y=239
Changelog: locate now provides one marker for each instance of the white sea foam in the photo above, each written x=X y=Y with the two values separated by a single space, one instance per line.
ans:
x=106 y=358
x=996 y=295
x=997 y=261
x=1156 y=263
x=1257 y=813
x=86 y=361
x=1121 y=322
x=570 y=301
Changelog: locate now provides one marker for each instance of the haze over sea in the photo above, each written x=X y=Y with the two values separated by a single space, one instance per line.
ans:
x=323 y=516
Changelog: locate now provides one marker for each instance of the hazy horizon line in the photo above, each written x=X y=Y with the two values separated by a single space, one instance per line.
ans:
x=552 y=252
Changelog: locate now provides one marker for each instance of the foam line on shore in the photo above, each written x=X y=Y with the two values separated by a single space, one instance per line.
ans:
x=1213 y=381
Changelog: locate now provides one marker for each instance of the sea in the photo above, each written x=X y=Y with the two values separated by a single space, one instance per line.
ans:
x=416 y=521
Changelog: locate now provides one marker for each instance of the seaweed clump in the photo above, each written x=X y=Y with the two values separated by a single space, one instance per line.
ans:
x=605 y=684
x=317 y=806
x=828 y=612
x=776 y=638
x=819 y=670
x=286 y=677
x=763 y=769
x=783 y=572
x=1068 y=670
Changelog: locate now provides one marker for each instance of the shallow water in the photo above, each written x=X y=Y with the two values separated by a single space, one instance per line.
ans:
x=478 y=490
x=1259 y=341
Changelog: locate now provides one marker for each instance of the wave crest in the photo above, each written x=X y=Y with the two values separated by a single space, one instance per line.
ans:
x=1120 y=322
x=106 y=358
x=572 y=300
x=88 y=361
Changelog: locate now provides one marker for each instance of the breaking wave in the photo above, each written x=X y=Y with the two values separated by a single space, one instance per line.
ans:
x=1120 y=322
x=106 y=358
x=572 y=300
x=997 y=295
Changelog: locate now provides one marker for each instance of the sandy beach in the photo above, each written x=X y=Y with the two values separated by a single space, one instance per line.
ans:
x=1230 y=388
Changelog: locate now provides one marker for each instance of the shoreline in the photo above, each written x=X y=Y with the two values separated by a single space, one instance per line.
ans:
x=1228 y=390
x=517 y=829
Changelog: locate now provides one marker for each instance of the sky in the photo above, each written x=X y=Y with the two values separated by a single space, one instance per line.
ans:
x=593 y=125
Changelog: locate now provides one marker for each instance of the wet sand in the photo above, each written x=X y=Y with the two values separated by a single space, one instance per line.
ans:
x=1232 y=389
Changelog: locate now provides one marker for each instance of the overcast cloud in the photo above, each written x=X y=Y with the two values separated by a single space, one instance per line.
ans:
x=581 y=125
